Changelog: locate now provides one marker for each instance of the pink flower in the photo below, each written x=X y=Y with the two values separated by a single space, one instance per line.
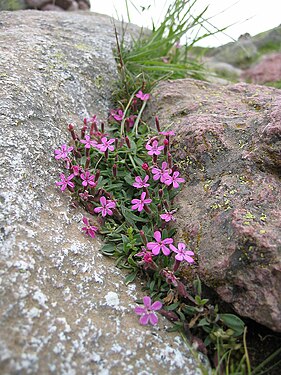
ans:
x=168 y=133
x=168 y=216
x=131 y=120
x=170 y=277
x=182 y=253
x=161 y=173
x=147 y=260
x=76 y=169
x=139 y=183
x=88 y=179
x=145 y=166
x=63 y=152
x=174 y=179
x=148 y=311
x=88 y=120
x=160 y=244
x=106 y=205
x=117 y=115
x=65 y=181
x=142 y=96
x=154 y=149
x=89 y=229
x=88 y=142
x=138 y=204
x=85 y=195
x=106 y=145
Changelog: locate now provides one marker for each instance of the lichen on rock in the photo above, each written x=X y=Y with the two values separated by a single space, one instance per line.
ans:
x=228 y=145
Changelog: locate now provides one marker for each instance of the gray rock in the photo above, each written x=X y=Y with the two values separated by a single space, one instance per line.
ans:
x=228 y=146
x=239 y=54
x=12 y=4
x=64 y=307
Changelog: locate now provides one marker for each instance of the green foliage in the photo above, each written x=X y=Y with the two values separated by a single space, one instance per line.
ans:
x=158 y=55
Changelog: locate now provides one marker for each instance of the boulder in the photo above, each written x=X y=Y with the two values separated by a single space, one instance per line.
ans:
x=268 y=70
x=45 y=5
x=12 y=4
x=64 y=307
x=240 y=54
x=227 y=144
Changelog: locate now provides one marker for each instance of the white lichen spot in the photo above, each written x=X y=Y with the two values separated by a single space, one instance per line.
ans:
x=40 y=298
x=34 y=313
x=97 y=278
x=112 y=299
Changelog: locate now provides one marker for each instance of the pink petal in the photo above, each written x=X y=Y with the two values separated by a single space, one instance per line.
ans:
x=111 y=204
x=153 y=319
x=181 y=246
x=147 y=301
x=189 y=259
x=156 y=250
x=98 y=209
x=179 y=257
x=143 y=195
x=103 y=201
x=135 y=206
x=157 y=236
x=140 y=310
x=172 y=247
x=156 y=306
x=85 y=221
x=165 y=250
x=144 y=319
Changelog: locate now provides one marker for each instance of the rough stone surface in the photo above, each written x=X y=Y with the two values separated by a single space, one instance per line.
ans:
x=12 y=4
x=46 y=5
x=238 y=54
x=267 y=70
x=64 y=307
x=228 y=146
x=247 y=49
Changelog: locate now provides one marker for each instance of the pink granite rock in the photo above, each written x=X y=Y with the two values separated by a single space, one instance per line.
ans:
x=227 y=145
x=267 y=70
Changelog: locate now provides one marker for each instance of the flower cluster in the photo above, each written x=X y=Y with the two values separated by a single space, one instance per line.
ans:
x=127 y=182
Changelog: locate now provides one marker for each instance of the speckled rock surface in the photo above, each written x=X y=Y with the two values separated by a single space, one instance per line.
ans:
x=64 y=307
x=228 y=146
x=47 y=5
x=265 y=71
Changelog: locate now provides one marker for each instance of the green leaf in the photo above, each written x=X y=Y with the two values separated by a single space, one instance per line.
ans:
x=233 y=322
x=198 y=286
x=108 y=249
x=173 y=306
x=131 y=217
x=203 y=322
x=128 y=178
x=131 y=277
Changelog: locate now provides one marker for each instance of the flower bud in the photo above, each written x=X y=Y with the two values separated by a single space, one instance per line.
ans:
x=128 y=142
x=83 y=131
x=102 y=127
x=87 y=163
x=157 y=124
x=114 y=170
x=97 y=175
x=145 y=167
x=93 y=128
x=143 y=237
x=169 y=160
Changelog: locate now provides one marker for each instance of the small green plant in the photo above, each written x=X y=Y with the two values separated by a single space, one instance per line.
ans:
x=126 y=179
x=160 y=54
